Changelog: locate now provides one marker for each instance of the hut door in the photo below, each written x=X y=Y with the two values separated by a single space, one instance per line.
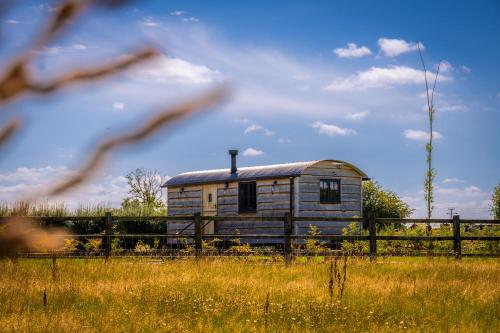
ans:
x=209 y=206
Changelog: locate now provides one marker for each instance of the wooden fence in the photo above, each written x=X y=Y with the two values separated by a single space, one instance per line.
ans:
x=193 y=230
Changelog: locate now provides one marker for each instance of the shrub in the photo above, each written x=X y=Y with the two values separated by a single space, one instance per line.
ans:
x=141 y=247
x=93 y=245
x=313 y=245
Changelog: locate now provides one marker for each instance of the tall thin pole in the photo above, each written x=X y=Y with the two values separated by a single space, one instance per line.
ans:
x=451 y=212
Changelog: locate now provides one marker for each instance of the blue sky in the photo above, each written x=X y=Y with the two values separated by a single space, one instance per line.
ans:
x=310 y=80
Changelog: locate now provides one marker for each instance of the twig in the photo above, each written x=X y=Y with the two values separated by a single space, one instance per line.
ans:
x=66 y=12
x=9 y=130
x=344 y=275
x=92 y=74
x=434 y=85
x=17 y=80
x=331 y=281
x=425 y=73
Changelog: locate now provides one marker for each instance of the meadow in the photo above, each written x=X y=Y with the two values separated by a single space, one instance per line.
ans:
x=245 y=295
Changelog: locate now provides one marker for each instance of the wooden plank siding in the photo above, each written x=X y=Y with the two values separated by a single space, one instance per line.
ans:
x=182 y=203
x=309 y=198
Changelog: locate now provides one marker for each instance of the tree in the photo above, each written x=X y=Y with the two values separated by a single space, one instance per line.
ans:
x=430 y=174
x=381 y=203
x=495 y=203
x=144 y=189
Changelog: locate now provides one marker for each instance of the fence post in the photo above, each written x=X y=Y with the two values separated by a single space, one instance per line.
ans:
x=287 y=233
x=457 y=245
x=373 y=240
x=197 y=234
x=108 y=231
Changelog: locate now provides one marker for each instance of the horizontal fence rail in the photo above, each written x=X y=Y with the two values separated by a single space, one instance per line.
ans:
x=269 y=235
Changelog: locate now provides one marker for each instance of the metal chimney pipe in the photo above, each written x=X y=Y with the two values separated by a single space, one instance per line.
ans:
x=233 y=153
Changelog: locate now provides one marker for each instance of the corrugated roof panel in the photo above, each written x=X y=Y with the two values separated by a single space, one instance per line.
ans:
x=247 y=173
x=244 y=173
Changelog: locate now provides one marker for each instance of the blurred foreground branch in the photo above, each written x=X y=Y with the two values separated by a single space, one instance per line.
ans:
x=18 y=233
x=9 y=130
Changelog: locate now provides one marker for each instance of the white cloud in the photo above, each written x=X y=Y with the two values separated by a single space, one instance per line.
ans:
x=148 y=21
x=33 y=175
x=175 y=70
x=177 y=13
x=79 y=47
x=352 y=51
x=12 y=21
x=418 y=135
x=256 y=128
x=332 y=130
x=119 y=106
x=465 y=69
x=266 y=79
x=58 y=49
x=469 y=191
x=268 y=132
x=302 y=77
x=452 y=180
x=394 y=47
x=377 y=77
x=242 y=120
x=23 y=182
x=451 y=108
x=284 y=140
x=190 y=19
x=252 y=152
x=468 y=202
x=45 y=7
x=357 y=115
x=445 y=67
x=444 y=104
x=253 y=128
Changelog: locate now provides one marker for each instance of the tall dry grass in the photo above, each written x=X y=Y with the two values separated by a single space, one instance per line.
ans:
x=237 y=296
x=46 y=208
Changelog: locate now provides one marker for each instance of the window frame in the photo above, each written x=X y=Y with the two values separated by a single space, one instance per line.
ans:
x=243 y=205
x=334 y=201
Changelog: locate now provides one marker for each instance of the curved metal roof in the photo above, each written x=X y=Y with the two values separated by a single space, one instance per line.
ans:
x=248 y=173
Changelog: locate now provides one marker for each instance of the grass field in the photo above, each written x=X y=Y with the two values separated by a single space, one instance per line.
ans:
x=127 y=295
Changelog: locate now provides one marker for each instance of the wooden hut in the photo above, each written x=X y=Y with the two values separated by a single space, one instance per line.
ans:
x=324 y=188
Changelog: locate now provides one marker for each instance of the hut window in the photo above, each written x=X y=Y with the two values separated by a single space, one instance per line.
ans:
x=329 y=191
x=209 y=197
x=247 y=199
